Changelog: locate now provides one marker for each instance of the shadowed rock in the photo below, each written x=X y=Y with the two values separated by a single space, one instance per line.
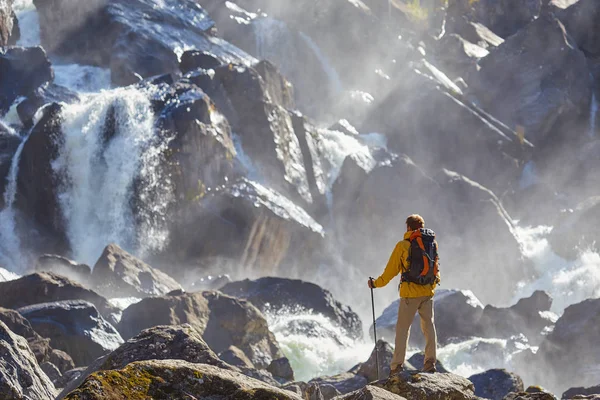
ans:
x=423 y=386
x=371 y=393
x=495 y=384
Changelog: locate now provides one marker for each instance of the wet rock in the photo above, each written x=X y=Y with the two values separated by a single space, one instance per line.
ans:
x=572 y=342
x=47 y=94
x=281 y=369
x=16 y=323
x=133 y=38
x=74 y=326
x=418 y=361
x=119 y=274
x=275 y=295
x=529 y=316
x=51 y=371
x=346 y=382
x=579 y=18
x=20 y=374
x=495 y=384
x=43 y=287
x=423 y=386
x=62 y=266
x=194 y=59
x=580 y=391
x=210 y=282
x=371 y=393
x=22 y=71
x=235 y=357
x=504 y=17
x=175 y=379
x=61 y=360
x=457 y=56
x=369 y=370
x=223 y=320
x=516 y=84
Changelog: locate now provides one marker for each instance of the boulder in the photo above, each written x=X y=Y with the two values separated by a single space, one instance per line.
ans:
x=235 y=357
x=175 y=379
x=51 y=371
x=504 y=17
x=74 y=326
x=457 y=315
x=373 y=371
x=196 y=59
x=495 y=384
x=61 y=360
x=17 y=324
x=580 y=391
x=119 y=274
x=69 y=376
x=418 y=361
x=530 y=316
x=62 y=266
x=20 y=375
x=42 y=287
x=133 y=38
x=281 y=369
x=572 y=342
x=516 y=83
x=44 y=95
x=371 y=393
x=223 y=320
x=345 y=383
x=22 y=71
x=280 y=295
x=579 y=18
x=423 y=386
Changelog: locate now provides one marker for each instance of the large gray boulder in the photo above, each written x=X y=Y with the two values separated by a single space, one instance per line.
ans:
x=592 y=392
x=279 y=295
x=62 y=266
x=223 y=320
x=43 y=287
x=74 y=326
x=579 y=18
x=495 y=384
x=176 y=379
x=119 y=274
x=16 y=323
x=423 y=386
x=21 y=377
x=345 y=383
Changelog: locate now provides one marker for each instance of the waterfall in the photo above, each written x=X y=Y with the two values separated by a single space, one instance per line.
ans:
x=10 y=244
x=334 y=77
x=29 y=23
x=100 y=171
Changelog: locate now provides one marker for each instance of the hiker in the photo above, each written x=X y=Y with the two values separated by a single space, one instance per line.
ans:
x=416 y=260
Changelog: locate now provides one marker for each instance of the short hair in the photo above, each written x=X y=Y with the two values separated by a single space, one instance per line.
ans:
x=415 y=222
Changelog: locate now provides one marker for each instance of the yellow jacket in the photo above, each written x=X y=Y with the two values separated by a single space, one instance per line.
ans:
x=397 y=264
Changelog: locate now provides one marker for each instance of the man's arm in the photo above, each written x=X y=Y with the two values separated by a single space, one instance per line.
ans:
x=392 y=268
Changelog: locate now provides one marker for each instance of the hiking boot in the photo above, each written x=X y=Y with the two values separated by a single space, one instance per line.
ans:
x=429 y=366
x=397 y=371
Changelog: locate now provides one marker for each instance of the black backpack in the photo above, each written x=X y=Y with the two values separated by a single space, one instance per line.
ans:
x=422 y=258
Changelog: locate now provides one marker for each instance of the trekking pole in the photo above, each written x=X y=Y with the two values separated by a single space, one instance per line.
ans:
x=374 y=328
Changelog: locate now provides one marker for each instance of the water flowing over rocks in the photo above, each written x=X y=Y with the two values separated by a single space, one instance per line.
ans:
x=175 y=379
x=9 y=142
x=20 y=374
x=75 y=327
x=495 y=384
x=49 y=93
x=118 y=273
x=423 y=386
x=275 y=295
x=223 y=321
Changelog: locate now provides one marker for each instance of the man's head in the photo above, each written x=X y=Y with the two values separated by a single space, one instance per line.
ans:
x=414 y=222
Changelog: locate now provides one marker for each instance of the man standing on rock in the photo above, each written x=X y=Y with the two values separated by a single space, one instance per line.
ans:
x=416 y=260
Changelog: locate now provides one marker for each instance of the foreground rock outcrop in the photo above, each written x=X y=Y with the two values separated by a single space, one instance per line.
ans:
x=371 y=393
x=21 y=377
x=175 y=379
x=223 y=320
x=422 y=386
x=74 y=326
x=278 y=295
x=495 y=384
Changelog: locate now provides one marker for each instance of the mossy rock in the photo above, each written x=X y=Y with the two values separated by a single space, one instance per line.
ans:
x=173 y=379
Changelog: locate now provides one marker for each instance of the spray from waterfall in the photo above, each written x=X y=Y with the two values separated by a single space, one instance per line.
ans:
x=109 y=153
x=593 y=114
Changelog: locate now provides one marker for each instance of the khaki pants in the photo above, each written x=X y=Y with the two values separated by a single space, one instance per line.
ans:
x=406 y=313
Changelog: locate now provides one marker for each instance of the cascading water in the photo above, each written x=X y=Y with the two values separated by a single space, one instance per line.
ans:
x=29 y=23
x=99 y=168
x=593 y=114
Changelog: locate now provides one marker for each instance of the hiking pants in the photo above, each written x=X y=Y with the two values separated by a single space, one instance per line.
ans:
x=406 y=314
